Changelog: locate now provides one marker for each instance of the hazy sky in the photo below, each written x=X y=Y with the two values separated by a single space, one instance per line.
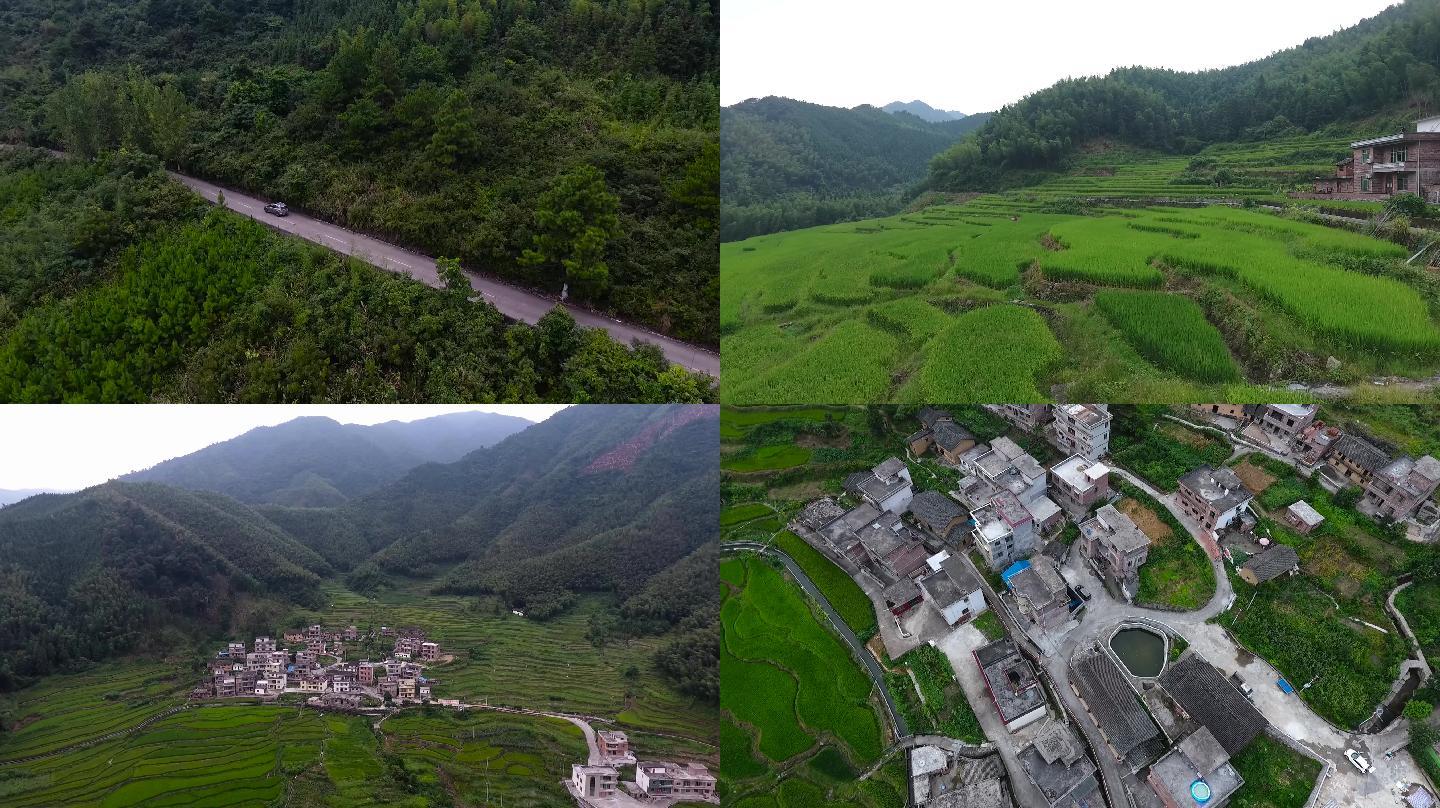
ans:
x=73 y=446
x=976 y=57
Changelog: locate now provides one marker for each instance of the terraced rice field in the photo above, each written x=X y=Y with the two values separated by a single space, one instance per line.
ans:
x=489 y=758
x=239 y=754
x=998 y=299
x=541 y=665
x=62 y=711
x=793 y=696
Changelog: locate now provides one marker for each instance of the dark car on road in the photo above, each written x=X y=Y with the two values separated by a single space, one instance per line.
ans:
x=277 y=208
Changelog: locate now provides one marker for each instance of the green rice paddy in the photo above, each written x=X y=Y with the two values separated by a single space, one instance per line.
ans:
x=793 y=698
x=997 y=298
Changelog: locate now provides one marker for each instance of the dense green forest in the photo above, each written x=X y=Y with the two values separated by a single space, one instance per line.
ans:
x=791 y=164
x=617 y=500
x=1381 y=66
x=118 y=284
x=545 y=141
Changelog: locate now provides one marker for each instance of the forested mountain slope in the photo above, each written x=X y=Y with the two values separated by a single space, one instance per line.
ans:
x=1385 y=64
x=120 y=285
x=545 y=141
x=315 y=461
x=790 y=164
x=88 y=575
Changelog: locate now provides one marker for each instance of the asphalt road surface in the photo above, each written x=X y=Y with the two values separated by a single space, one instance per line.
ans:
x=515 y=303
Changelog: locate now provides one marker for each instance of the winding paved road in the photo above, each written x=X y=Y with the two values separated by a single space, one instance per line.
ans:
x=513 y=302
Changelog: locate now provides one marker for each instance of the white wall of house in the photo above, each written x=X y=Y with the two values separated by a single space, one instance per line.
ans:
x=967 y=609
x=899 y=502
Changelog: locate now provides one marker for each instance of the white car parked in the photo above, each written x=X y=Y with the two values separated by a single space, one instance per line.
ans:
x=1359 y=761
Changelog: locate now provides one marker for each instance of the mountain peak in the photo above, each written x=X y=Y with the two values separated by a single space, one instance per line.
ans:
x=923 y=111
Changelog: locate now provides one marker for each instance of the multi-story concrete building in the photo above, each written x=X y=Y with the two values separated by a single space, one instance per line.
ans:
x=1397 y=490
x=683 y=780
x=1041 y=595
x=594 y=782
x=1014 y=688
x=1116 y=548
x=1082 y=429
x=429 y=651
x=235 y=649
x=1004 y=531
x=1379 y=167
x=264 y=645
x=1029 y=417
x=614 y=747
x=1076 y=484
x=1213 y=497
x=1284 y=422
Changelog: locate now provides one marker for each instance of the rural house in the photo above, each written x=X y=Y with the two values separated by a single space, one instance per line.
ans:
x=1213 y=497
x=1014 y=688
x=1058 y=766
x=1206 y=695
x=1280 y=559
x=1314 y=442
x=614 y=747
x=887 y=486
x=1302 y=517
x=1040 y=592
x=1082 y=429
x=937 y=513
x=892 y=547
x=1004 y=531
x=1029 y=417
x=952 y=588
x=1115 y=548
x=1198 y=757
x=1354 y=459
x=1282 y=423
x=1111 y=701
x=939 y=431
x=594 y=782
x=1076 y=483
x=1397 y=490
x=1408 y=161
x=683 y=781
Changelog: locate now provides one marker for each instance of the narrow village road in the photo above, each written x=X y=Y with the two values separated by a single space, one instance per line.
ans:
x=871 y=665
x=513 y=302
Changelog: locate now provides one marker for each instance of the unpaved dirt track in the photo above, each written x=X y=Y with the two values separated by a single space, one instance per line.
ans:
x=513 y=302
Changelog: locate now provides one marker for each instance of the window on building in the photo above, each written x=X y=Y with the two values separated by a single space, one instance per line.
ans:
x=1365 y=184
x=1397 y=155
x=1365 y=155
x=1402 y=183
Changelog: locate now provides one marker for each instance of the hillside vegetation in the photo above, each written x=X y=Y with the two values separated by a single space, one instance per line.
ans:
x=119 y=285
x=546 y=142
x=1384 y=63
x=790 y=164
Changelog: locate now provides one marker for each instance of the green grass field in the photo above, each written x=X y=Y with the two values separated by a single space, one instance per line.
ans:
x=792 y=696
x=904 y=308
x=835 y=584
x=1275 y=775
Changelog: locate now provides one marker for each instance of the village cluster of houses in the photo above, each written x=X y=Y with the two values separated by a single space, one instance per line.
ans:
x=313 y=662
x=1169 y=732
x=598 y=783
x=1394 y=487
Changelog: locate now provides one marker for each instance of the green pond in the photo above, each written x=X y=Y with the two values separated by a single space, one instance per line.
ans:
x=1142 y=650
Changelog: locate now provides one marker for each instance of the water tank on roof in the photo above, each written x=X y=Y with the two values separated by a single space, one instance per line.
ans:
x=1200 y=790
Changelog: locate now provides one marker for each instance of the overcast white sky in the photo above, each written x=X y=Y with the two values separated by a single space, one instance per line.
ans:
x=73 y=446
x=976 y=57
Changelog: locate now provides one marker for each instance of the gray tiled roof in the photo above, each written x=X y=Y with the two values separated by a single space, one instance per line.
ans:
x=950 y=435
x=1213 y=701
x=935 y=510
x=1116 y=708
x=1272 y=563
x=929 y=416
x=1360 y=452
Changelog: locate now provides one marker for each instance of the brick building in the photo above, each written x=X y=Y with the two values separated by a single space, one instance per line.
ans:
x=1409 y=161
x=1213 y=497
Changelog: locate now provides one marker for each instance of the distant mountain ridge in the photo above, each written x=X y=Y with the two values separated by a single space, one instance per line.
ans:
x=788 y=164
x=923 y=111
x=313 y=461
x=597 y=499
x=10 y=496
